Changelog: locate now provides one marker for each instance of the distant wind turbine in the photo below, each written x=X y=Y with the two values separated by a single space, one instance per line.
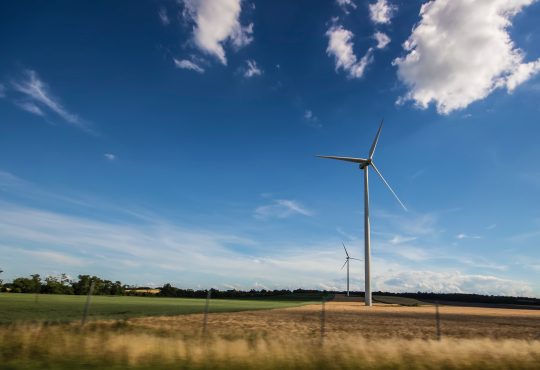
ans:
x=364 y=165
x=347 y=263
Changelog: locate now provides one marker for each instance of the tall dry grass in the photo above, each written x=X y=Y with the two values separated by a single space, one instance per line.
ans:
x=121 y=346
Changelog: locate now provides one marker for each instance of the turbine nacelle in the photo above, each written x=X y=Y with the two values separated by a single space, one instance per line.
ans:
x=365 y=164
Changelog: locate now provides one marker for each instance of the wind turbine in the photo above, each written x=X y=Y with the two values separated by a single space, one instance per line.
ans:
x=347 y=263
x=364 y=164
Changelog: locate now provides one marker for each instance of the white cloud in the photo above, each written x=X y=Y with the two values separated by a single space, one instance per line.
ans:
x=522 y=73
x=216 y=22
x=381 y=11
x=187 y=64
x=36 y=92
x=382 y=39
x=461 y=51
x=281 y=208
x=163 y=16
x=252 y=69
x=109 y=156
x=340 y=46
x=345 y=4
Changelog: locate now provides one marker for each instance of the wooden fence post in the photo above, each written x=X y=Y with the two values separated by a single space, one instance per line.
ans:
x=205 y=319
x=438 y=319
x=88 y=301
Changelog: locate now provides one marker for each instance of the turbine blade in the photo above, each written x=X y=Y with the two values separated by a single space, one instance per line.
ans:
x=347 y=159
x=345 y=249
x=382 y=178
x=343 y=265
x=355 y=259
x=374 y=145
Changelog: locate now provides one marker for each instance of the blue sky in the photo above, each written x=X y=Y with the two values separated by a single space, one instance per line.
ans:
x=164 y=141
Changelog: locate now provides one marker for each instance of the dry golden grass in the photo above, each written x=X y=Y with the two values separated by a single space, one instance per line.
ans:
x=62 y=347
x=357 y=337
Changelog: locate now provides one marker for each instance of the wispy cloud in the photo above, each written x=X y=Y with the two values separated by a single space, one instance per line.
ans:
x=281 y=208
x=163 y=16
x=252 y=69
x=151 y=249
x=188 y=64
x=467 y=236
x=35 y=96
x=400 y=239
x=56 y=258
x=30 y=107
x=346 y=4
x=215 y=23
x=340 y=46
x=311 y=118
x=414 y=224
x=110 y=156
x=524 y=236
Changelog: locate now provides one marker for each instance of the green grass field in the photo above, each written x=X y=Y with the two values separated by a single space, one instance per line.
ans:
x=63 y=308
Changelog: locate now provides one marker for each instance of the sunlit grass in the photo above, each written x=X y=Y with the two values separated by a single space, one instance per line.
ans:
x=118 y=346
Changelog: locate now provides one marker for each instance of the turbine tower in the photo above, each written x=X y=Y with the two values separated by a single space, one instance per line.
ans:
x=364 y=164
x=347 y=263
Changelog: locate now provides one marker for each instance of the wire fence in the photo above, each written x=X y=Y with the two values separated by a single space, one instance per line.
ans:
x=328 y=320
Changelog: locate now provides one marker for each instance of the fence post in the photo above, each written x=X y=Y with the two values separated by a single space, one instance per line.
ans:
x=323 y=319
x=88 y=301
x=438 y=319
x=205 y=319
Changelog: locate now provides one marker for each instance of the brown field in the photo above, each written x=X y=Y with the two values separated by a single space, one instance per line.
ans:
x=352 y=318
x=381 y=337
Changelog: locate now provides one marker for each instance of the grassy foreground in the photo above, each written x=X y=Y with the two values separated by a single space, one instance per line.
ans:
x=64 y=308
x=102 y=346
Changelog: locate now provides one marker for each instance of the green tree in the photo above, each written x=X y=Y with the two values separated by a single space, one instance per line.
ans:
x=82 y=286
x=57 y=285
x=27 y=285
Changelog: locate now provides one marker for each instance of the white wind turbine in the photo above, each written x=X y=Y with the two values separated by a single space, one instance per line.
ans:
x=347 y=263
x=364 y=164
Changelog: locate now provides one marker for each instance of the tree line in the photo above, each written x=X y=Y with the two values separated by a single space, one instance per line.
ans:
x=63 y=285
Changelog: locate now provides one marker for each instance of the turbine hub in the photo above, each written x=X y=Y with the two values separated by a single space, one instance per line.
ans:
x=364 y=165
